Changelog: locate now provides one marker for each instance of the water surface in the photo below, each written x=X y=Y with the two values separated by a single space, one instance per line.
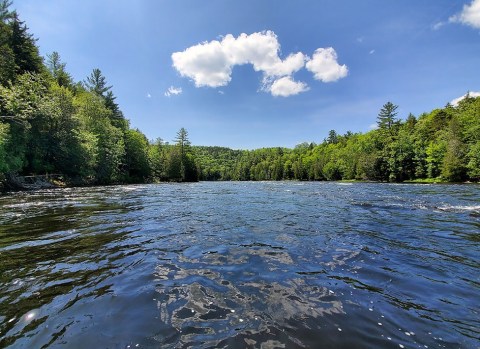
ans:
x=241 y=265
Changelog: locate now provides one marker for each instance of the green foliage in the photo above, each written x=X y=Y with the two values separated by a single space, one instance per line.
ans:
x=97 y=83
x=137 y=156
x=4 y=135
x=473 y=165
x=50 y=124
x=21 y=100
x=435 y=154
x=57 y=68
x=25 y=51
x=454 y=166
x=386 y=119
x=111 y=146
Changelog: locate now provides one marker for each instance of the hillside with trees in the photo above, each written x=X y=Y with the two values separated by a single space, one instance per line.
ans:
x=50 y=124
x=443 y=145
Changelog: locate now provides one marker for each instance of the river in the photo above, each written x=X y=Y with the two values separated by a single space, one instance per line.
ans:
x=241 y=265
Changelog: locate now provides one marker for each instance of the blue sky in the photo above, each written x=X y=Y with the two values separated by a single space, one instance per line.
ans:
x=259 y=73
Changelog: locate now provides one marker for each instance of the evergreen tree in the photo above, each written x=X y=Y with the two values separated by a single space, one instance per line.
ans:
x=7 y=57
x=5 y=13
x=97 y=83
x=386 y=119
x=117 y=118
x=188 y=169
x=25 y=51
x=332 y=137
x=57 y=69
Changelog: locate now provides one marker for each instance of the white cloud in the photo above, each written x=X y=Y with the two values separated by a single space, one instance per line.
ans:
x=285 y=87
x=371 y=52
x=206 y=63
x=438 y=25
x=211 y=63
x=470 y=15
x=173 y=91
x=262 y=51
x=325 y=67
x=457 y=100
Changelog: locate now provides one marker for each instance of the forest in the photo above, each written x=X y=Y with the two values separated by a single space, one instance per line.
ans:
x=75 y=130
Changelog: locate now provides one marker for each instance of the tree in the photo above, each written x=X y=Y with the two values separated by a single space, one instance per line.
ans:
x=19 y=106
x=386 y=118
x=454 y=167
x=97 y=83
x=174 y=165
x=473 y=165
x=400 y=157
x=332 y=137
x=188 y=169
x=110 y=139
x=181 y=140
x=117 y=118
x=7 y=57
x=25 y=51
x=157 y=160
x=4 y=135
x=57 y=69
x=5 y=13
x=136 y=149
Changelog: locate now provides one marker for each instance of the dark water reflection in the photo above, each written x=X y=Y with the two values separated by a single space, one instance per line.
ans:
x=256 y=265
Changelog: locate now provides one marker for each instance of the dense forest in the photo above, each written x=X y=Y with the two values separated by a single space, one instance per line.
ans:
x=443 y=145
x=50 y=124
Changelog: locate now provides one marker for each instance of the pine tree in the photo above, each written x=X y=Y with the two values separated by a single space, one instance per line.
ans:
x=25 y=51
x=5 y=13
x=188 y=168
x=97 y=83
x=57 y=69
x=386 y=119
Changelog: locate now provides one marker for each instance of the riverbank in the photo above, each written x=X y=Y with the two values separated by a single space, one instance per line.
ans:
x=35 y=182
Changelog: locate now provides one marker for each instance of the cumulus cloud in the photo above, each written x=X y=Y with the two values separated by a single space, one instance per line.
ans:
x=211 y=63
x=285 y=87
x=470 y=15
x=325 y=67
x=173 y=91
x=206 y=63
x=457 y=100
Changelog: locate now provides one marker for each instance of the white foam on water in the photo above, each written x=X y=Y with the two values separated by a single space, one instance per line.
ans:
x=459 y=208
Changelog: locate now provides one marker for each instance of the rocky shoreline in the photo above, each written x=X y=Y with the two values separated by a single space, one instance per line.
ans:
x=19 y=183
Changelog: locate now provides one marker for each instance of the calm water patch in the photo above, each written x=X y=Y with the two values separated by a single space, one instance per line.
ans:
x=241 y=265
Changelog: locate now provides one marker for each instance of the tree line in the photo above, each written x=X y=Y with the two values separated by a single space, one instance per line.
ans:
x=50 y=124
x=443 y=145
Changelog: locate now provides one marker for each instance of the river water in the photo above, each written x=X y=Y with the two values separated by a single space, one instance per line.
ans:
x=241 y=265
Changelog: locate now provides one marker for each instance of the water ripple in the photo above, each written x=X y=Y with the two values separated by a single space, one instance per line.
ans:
x=257 y=265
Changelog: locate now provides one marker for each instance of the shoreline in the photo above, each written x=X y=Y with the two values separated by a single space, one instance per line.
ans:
x=42 y=184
